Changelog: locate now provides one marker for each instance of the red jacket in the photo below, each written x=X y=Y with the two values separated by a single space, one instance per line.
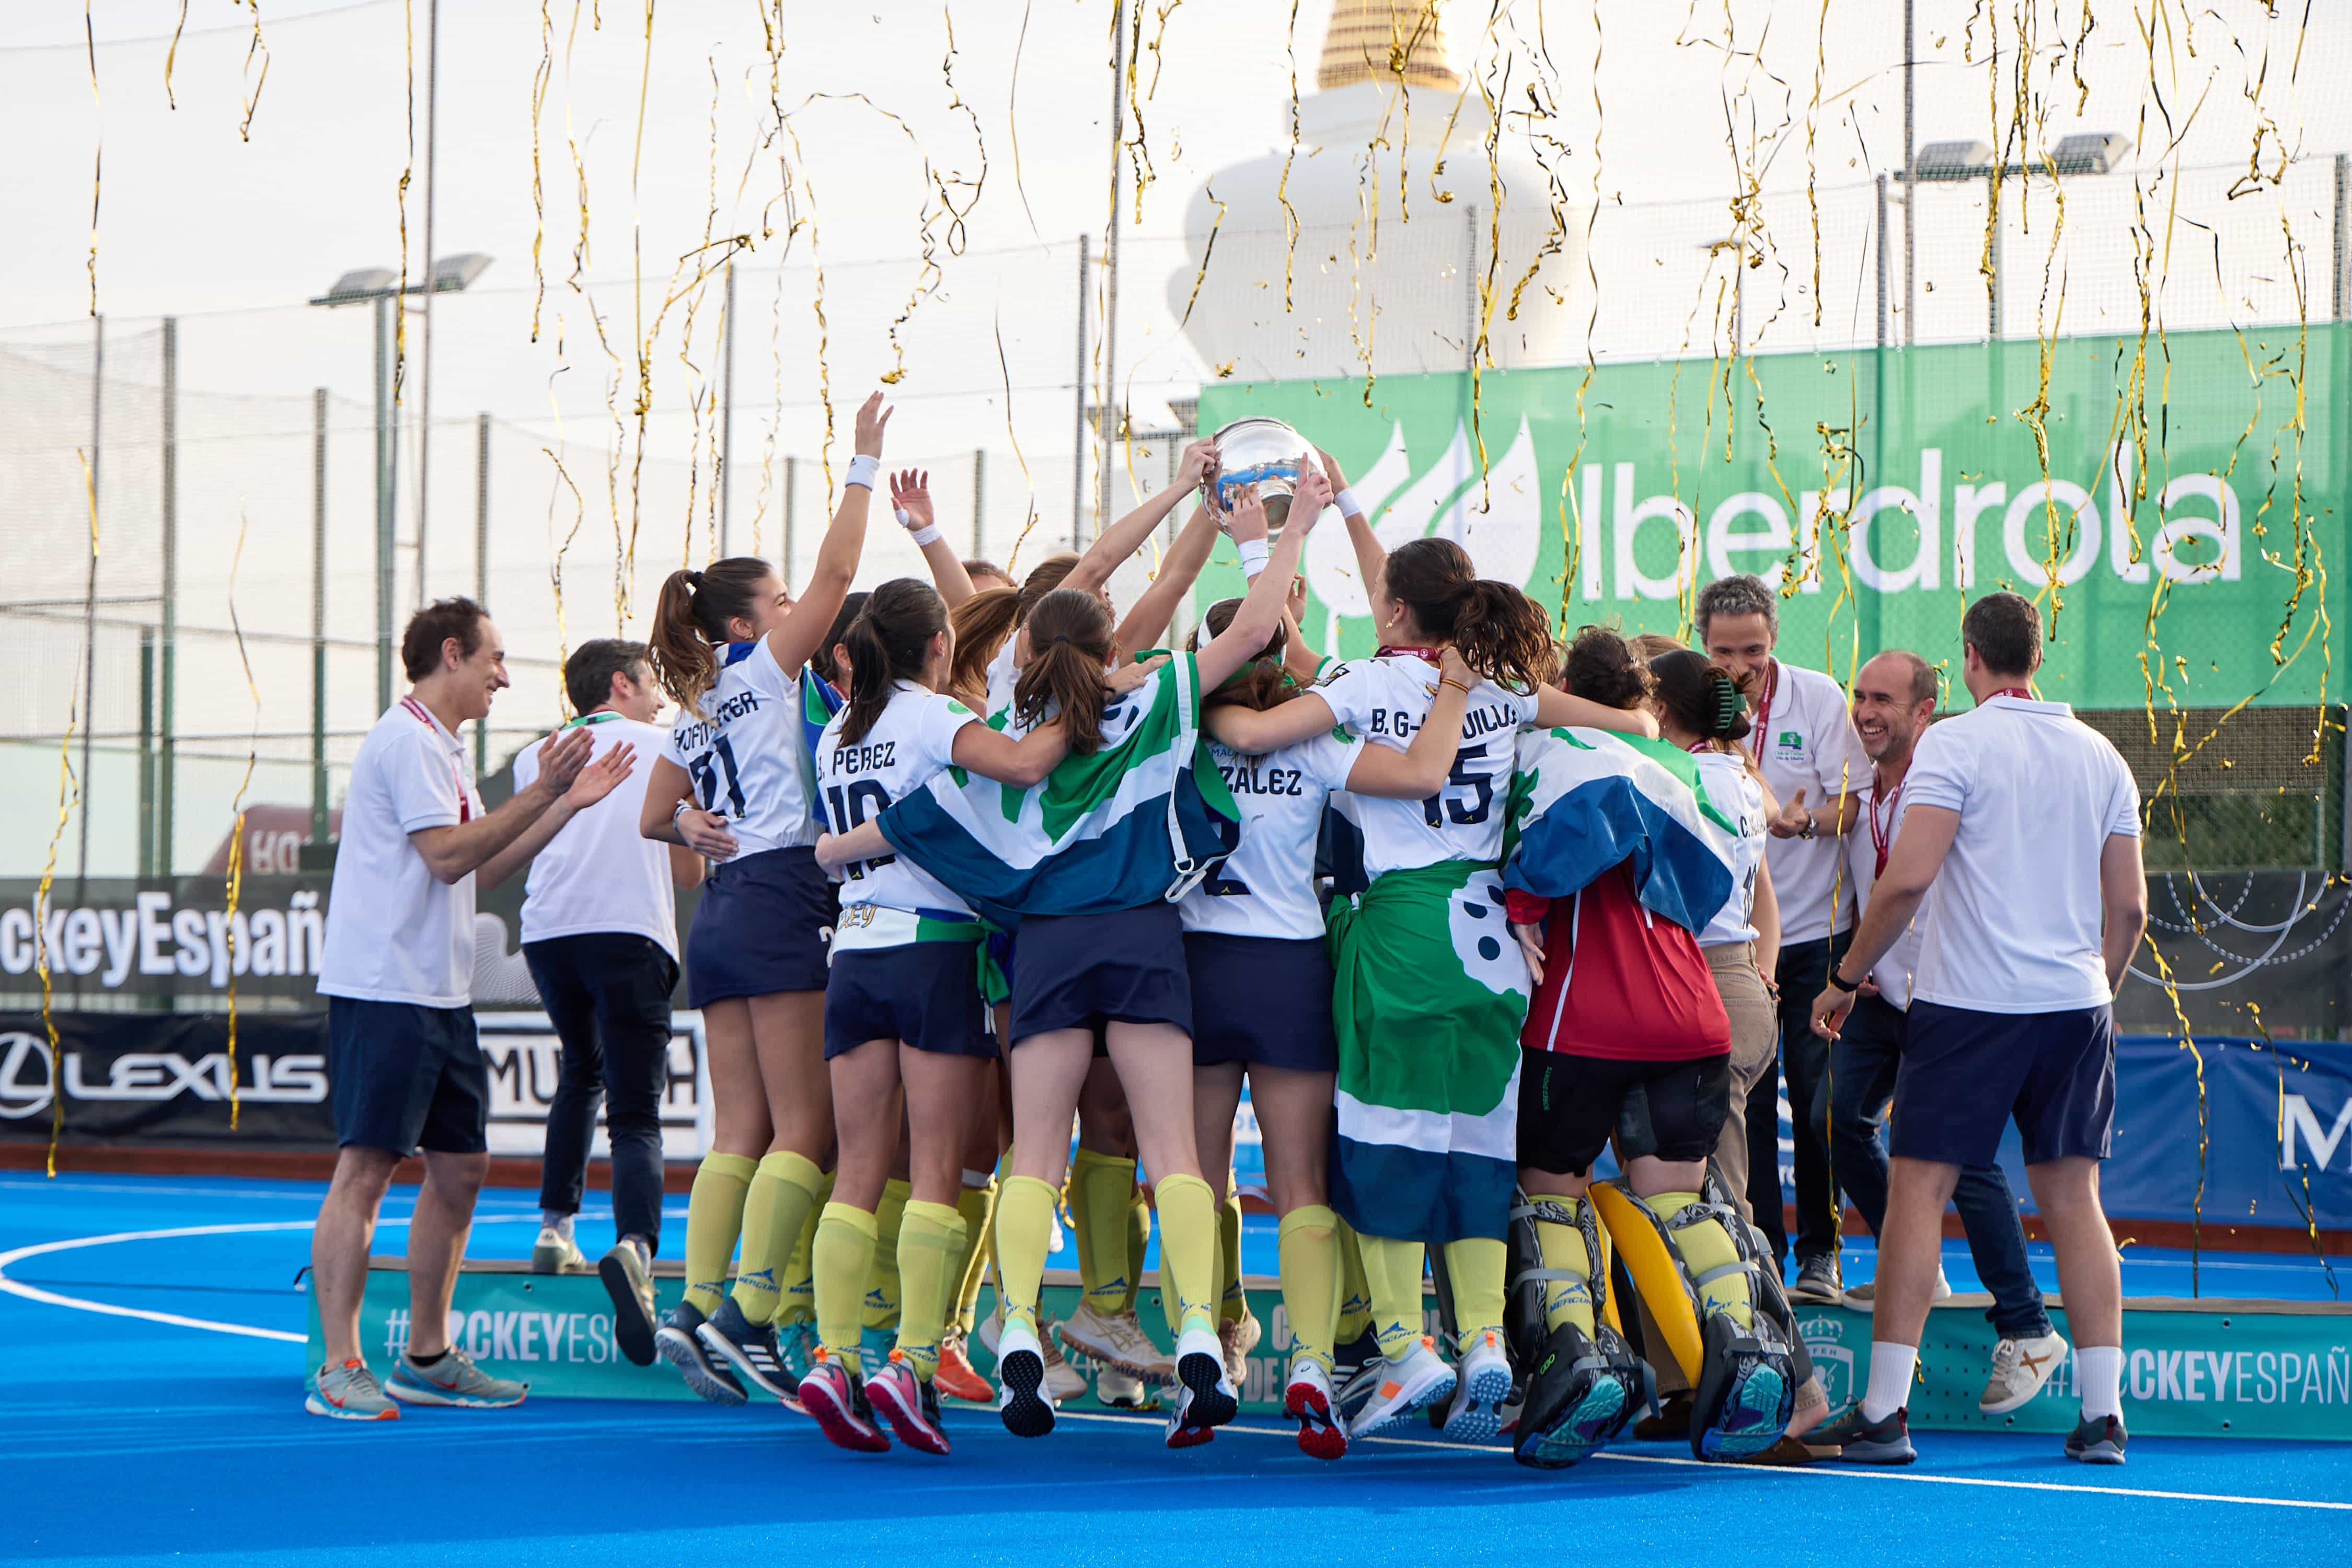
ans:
x=1620 y=981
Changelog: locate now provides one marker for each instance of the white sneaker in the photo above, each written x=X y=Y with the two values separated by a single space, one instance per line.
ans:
x=1482 y=1385
x=1864 y=1298
x=991 y=1327
x=1238 y=1339
x=2020 y=1368
x=1119 y=1391
x=1023 y=1403
x=556 y=1253
x=1307 y=1399
x=1205 y=1399
x=1063 y=1381
x=1406 y=1388
x=1117 y=1340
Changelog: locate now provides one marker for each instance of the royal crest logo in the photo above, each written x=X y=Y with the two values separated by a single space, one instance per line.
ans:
x=1824 y=1338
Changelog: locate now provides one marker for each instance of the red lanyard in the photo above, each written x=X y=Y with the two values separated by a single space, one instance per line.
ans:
x=1882 y=835
x=2019 y=693
x=465 y=806
x=1764 y=708
x=1429 y=654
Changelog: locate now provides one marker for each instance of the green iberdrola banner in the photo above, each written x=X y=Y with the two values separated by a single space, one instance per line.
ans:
x=1881 y=490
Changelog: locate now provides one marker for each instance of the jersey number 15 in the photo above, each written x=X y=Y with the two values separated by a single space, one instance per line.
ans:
x=1462 y=813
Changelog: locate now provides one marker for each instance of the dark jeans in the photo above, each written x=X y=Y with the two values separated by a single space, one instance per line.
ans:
x=1804 y=1058
x=1862 y=1081
x=607 y=993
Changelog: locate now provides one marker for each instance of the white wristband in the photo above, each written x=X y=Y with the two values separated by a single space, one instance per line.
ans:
x=924 y=535
x=1348 y=504
x=862 y=469
x=1254 y=552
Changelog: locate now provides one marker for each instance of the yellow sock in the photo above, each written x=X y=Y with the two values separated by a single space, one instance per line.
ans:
x=883 y=1299
x=796 y=1292
x=1101 y=1187
x=1232 y=1301
x=783 y=1192
x=931 y=1239
x=1475 y=1267
x=976 y=1205
x=1568 y=1301
x=1392 y=1273
x=843 y=1255
x=1138 y=1242
x=1706 y=1246
x=1025 y=1230
x=714 y=1218
x=1355 y=1291
x=1308 y=1246
x=1188 y=1252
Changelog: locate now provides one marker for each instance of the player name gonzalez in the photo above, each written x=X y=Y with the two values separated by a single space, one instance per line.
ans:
x=1245 y=775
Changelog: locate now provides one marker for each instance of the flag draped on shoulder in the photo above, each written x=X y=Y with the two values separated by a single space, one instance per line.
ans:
x=1585 y=800
x=1115 y=830
x=819 y=703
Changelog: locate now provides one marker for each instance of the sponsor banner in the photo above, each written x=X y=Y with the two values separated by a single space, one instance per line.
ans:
x=526 y=1061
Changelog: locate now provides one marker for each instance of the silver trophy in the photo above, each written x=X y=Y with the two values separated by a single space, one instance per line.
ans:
x=1262 y=452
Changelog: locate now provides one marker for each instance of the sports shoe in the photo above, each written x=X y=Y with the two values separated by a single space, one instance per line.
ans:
x=1306 y=1398
x=1578 y=1394
x=348 y=1393
x=677 y=1343
x=630 y=1283
x=751 y=1348
x=1063 y=1381
x=1861 y=1442
x=991 y=1327
x=955 y=1378
x=1239 y=1337
x=796 y=1348
x=2020 y=1368
x=874 y=1348
x=1402 y=1388
x=1864 y=1298
x=832 y=1398
x=1817 y=1283
x=1204 y=1395
x=1118 y=1391
x=454 y=1379
x=556 y=1253
x=909 y=1404
x=1481 y=1385
x=1116 y=1339
x=2096 y=1440
x=1022 y=1401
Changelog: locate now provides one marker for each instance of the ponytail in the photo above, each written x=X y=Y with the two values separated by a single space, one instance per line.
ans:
x=1701 y=696
x=889 y=642
x=1069 y=646
x=694 y=613
x=1497 y=630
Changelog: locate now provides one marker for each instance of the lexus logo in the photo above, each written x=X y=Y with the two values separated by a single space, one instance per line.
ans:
x=28 y=1075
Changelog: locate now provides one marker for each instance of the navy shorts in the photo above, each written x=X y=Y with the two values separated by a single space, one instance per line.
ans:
x=926 y=994
x=1964 y=1074
x=1083 y=972
x=1570 y=1107
x=405 y=1078
x=763 y=926
x=1265 y=1000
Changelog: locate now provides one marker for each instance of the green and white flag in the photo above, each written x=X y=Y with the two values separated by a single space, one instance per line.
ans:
x=1585 y=800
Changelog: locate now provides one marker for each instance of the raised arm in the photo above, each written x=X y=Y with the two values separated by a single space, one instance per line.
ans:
x=1261 y=611
x=1419 y=770
x=798 y=635
x=1146 y=623
x=1300 y=661
x=1124 y=537
x=910 y=499
x=1555 y=707
x=1372 y=556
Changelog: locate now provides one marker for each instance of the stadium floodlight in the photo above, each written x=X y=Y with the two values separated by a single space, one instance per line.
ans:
x=453 y=273
x=2090 y=152
x=1953 y=161
x=363 y=284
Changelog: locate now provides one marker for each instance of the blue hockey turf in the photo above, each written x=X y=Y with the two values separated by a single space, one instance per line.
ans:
x=134 y=1439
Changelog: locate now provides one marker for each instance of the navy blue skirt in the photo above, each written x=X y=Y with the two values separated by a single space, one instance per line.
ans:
x=926 y=994
x=764 y=925
x=1261 y=999
x=1083 y=972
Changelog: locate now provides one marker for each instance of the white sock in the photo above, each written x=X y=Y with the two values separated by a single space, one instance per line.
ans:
x=559 y=1222
x=2099 y=1379
x=1891 y=1367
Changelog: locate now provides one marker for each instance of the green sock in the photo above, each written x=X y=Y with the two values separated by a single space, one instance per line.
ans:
x=783 y=1191
x=1475 y=1267
x=1025 y=1230
x=1568 y=1301
x=1392 y=1271
x=1308 y=1246
x=1706 y=1246
x=796 y=1288
x=978 y=1206
x=882 y=1298
x=1355 y=1290
x=1232 y=1301
x=1187 y=1253
x=931 y=1240
x=843 y=1255
x=714 y=1218
x=1101 y=1187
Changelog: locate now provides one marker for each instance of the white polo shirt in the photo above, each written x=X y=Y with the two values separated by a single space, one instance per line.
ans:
x=1803 y=739
x=2014 y=918
x=395 y=932
x=599 y=873
x=1881 y=822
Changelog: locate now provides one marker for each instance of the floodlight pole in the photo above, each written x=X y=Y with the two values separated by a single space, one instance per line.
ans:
x=1910 y=177
x=1109 y=404
x=387 y=452
x=319 y=618
x=432 y=283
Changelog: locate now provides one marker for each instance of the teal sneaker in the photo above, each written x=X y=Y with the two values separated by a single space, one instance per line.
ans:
x=452 y=1379
x=796 y=1346
x=348 y=1393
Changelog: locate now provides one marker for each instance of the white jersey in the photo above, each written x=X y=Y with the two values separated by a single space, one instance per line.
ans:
x=1735 y=792
x=600 y=873
x=1003 y=674
x=1384 y=701
x=745 y=751
x=913 y=740
x=1882 y=823
x=1266 y=887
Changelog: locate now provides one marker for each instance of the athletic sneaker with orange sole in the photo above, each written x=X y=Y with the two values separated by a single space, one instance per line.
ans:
x=956 y=1378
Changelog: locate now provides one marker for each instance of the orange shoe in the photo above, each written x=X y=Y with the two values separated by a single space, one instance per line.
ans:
x=955 y=1378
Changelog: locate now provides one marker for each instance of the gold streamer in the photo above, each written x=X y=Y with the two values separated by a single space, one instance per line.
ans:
x=236 y=804
x=97 y=164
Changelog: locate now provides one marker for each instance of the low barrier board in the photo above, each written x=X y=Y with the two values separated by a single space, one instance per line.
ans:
x=2205 y=1369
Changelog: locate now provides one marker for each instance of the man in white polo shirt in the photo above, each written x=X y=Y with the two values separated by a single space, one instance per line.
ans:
x=1804 y=745
x=405 y=1067
x=2025 y=823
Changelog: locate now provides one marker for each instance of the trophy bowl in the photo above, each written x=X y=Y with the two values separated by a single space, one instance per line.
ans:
x=1262 y=452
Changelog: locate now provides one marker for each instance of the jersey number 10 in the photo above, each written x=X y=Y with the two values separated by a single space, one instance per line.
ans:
x=851 y=807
